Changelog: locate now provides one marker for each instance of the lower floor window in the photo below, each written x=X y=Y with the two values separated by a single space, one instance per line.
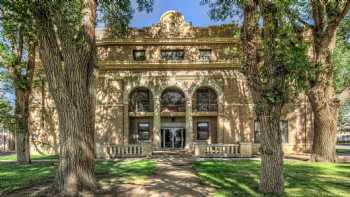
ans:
x=143 y=131
x=283 y=127
x=202 y=130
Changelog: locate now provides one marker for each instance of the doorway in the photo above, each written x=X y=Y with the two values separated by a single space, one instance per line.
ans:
x=173 y=138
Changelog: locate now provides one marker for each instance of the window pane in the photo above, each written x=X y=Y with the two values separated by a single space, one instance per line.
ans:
x=172 y=54
x=173 y=101
x=206 y=100
x=141 y=101
x=202 y=130
x=139 y=55
x=284 y=130
x=257 y=131
x=143 y=131
x=205 y=54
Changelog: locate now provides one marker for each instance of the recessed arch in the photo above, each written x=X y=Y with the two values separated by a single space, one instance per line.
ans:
x=173 y=99
x=140 y=100
x=205 y=99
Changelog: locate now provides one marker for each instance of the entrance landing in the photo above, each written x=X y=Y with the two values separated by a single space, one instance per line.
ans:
x=173 y=177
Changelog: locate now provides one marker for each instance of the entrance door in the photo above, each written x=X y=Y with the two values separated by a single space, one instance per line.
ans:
x=173 y=138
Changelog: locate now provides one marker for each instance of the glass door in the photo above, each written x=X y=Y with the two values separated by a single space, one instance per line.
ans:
x=172 y=138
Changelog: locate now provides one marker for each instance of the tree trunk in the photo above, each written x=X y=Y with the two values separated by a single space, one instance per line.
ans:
x=322 y=97
x=22 y=131
x=23 y=90
x=69 y=67
x=271 y=178
x=268 y=114
x=325 y=124
x=77 y=157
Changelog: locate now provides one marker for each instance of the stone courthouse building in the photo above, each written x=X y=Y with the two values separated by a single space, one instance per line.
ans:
x=172 y=86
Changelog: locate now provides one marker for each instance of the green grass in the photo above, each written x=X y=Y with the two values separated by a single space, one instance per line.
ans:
x=34 y=156
x=241 y=178
x=16 y=176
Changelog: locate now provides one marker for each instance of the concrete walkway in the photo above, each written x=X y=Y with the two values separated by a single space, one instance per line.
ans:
x=173 y=177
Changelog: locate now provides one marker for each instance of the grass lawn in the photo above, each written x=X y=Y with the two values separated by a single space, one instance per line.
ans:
x=34 y=156
x=15 y=176
x=241 y=178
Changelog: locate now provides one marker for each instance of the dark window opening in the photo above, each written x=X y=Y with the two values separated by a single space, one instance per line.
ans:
x=202 y=130
x=172 y=54
x=139 y=55
x=206 y=100
x=141 y=101
x=143 y=131
x=205 y=54
x=173 y=101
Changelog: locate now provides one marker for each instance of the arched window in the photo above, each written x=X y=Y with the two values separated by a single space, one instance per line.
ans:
x=205 y=100
x=173 y=100
x=141 y=100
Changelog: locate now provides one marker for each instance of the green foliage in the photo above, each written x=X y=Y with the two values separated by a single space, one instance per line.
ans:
x=341 y=56
x=241 y=178
x=16 y=176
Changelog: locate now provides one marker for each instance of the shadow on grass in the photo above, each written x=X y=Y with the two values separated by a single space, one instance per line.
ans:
x=241 y=178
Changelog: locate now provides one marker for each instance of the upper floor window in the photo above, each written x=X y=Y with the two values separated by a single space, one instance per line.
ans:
x=143 y=131
x=141 y=100
x=173 y=101
x=205 y=100
x=283 y=127
x=205 y=54
x=139 y=55
x=202 y=130
x=172 y=54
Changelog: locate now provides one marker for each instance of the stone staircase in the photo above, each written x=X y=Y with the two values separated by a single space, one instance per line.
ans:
x=171 y=153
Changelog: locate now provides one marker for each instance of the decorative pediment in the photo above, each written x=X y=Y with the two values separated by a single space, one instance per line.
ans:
x=172 y=24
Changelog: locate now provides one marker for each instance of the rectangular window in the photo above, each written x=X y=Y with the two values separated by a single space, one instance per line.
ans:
x=172 y=54
x=203 y=100
x=205 y=54
x=257 y=131
x=143 y=131
x=202 y=130
x=139 y=55
x=283 y=128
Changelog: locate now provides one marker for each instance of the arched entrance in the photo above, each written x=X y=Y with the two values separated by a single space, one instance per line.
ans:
x=173 y=107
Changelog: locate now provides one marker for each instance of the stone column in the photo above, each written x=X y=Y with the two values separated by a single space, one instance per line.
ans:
x=156 y=123
x=126 y=123
x=189 y=125
x=220 y=123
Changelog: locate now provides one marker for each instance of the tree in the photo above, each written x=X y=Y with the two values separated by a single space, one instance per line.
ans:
x=67 y=48
x=325 y=18
x=17 y=55
x=271 y=60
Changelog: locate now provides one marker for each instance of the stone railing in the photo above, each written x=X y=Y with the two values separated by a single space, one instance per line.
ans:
x=223 y=150
x=111 y=151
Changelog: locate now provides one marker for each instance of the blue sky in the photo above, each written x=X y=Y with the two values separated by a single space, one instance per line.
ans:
x=191 y=9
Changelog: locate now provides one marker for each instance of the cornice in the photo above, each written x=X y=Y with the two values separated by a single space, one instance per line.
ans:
x=167 y=41
x=168 y=65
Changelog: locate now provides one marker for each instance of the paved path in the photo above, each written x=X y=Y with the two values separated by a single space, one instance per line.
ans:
x=173 y=177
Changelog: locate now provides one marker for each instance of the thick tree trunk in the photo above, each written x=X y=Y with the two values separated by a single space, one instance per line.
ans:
x=23 y=91
x=271 y=179
x=325 y=125
x=322 y=97
x=69 y=67
x=77 y=158
x=268 y=114
x=22 y=131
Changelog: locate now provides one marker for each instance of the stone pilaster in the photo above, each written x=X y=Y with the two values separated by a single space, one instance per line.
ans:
x=220 y=123
x=189 y=125
x=156 y=123
x=126 y=123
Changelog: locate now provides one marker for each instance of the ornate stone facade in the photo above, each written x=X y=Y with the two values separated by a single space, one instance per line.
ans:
x=172 y=85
